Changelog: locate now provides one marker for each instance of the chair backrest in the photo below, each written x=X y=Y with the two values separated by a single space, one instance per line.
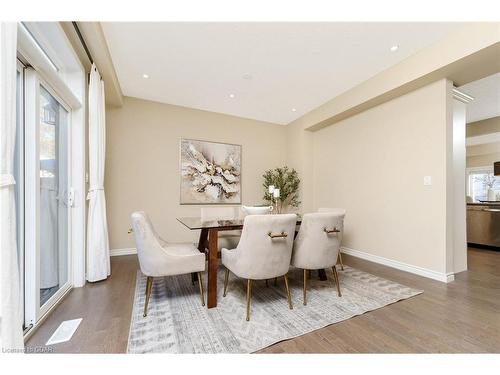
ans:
x=258 y=255
x=256 y=210
x=318 y=243
x=149 y=249
x=222 y=213
x=338 y=211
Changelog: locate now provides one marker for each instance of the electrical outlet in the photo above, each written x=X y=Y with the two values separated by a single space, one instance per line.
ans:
x=427 y=180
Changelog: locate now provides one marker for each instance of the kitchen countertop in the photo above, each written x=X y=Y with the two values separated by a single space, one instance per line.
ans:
x=490 y=203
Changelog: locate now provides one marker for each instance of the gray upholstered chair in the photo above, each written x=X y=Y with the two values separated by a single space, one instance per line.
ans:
x=157 y=258
x=264 y=251
x=317 y=245
x=339 y=211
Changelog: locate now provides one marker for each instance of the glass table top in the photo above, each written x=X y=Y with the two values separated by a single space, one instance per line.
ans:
x=194 y=223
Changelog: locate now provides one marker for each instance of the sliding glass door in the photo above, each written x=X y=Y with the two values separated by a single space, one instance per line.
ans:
x=49 y=162
x=19 y=174
x=47 y=187
x=53 y=157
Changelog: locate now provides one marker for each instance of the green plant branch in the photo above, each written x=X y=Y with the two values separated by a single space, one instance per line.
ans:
x=287 y=181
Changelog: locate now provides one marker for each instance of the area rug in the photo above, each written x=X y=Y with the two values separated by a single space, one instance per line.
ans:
x=177 y=323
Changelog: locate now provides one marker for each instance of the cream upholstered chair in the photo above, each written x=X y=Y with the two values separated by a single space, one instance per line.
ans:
x=317 y=244
x=226 y=239
x=256 y=210
x=339 y=211
x=263 y=252
x=158 y=258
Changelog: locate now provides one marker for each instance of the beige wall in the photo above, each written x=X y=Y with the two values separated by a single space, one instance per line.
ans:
x=483 y=160
x=299 y=155
x=484 y=154
x=488 y=126
x=142 y=162
x=373 y=165
x=387 y=133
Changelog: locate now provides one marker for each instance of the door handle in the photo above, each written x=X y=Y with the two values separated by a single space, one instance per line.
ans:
x=328 y=231
x=278 y=235
x=71 y=197
x=491 y=209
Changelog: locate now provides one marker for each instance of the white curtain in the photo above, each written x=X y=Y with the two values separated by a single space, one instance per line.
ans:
x=11 y=329
x=98 y=262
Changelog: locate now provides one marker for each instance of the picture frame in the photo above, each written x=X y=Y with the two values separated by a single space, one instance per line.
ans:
x=209 y=172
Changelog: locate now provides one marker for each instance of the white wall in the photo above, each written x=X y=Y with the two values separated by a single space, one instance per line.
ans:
x=458 y=210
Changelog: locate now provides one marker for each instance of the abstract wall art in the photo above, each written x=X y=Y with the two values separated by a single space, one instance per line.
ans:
x=210 y=172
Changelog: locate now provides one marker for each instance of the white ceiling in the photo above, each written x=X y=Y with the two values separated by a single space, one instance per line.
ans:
x=291 y=65
x=486 y=94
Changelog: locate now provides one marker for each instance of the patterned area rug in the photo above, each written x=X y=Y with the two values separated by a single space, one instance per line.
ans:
x=177 y=323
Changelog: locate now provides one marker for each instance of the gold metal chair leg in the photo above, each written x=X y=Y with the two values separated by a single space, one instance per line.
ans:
x=249 y=295
x=336 y=277
x=288 y=292
x=305 y=287
x=340 y=261
x=226 y=279
x=149 y=286
x=200 y=285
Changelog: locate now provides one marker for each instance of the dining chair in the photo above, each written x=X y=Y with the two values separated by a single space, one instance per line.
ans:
x=317 y=245
x=256 y=210
x=339 y=211
x=264 y=252
x=227 y=239
x=158 y=258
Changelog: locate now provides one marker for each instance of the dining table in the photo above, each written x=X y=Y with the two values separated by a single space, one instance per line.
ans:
x=208 y=244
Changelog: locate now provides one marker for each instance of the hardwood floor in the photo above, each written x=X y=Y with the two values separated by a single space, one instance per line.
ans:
x=462 y=316
x=106 y=308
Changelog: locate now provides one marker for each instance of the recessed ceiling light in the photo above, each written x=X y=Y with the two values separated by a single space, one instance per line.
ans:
x=394 y=48
x=145 y=76
x=294 y=109
x=231 y=96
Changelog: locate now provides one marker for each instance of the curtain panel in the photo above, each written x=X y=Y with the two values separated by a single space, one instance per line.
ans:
x=11 y=316
x=98 y=261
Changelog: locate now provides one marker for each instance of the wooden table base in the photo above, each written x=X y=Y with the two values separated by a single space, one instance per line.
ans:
x=212 y=268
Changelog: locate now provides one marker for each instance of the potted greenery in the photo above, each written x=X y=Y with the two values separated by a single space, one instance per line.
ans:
x=286 y=182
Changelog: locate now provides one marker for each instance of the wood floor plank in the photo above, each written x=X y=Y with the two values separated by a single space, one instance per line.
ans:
x=459 y=317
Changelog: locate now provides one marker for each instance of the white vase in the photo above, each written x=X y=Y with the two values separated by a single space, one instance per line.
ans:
x=492 y=195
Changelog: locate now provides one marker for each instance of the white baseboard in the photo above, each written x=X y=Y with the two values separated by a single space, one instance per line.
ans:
x=443 y=277
x=119 y=252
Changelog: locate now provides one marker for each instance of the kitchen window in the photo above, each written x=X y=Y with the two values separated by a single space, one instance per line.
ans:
x=479 y=180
